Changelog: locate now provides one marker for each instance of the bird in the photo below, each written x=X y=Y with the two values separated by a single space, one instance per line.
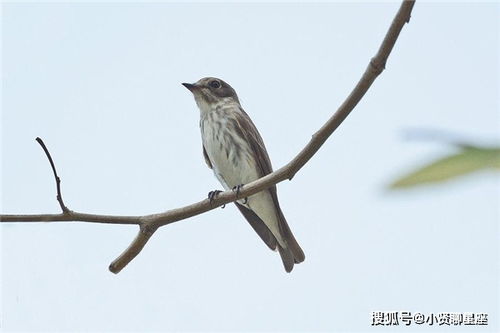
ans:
x=233 y=148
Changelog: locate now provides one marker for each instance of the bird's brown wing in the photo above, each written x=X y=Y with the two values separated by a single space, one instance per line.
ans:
x=207 y=160
x=259 y=226
x=247 y=129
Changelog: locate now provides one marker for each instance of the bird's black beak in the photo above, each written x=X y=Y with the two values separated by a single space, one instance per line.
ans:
x=190 y=86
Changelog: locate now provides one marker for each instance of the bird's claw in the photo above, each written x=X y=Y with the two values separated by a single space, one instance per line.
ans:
x=237 y=189
x=213 y=194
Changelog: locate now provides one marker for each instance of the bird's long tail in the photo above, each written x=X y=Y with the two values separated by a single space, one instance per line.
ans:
x=289 y=249
x=292 y=253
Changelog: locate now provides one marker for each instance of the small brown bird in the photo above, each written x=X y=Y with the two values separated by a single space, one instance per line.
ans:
x=235 y=151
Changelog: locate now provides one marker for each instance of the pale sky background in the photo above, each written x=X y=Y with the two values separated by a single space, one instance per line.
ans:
x=101 y=84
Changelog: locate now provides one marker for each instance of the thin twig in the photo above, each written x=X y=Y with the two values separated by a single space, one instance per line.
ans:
x=58 y=180
x=150 y=223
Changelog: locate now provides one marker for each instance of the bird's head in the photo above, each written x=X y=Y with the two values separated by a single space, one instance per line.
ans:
x=209 y=91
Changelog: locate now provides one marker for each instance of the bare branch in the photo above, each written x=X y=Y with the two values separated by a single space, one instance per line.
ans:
x=71 y=216
x=58 y=180
x=150 y=223
x=145 y=233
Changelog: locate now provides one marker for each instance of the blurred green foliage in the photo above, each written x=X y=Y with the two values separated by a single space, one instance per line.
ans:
x=468 y=160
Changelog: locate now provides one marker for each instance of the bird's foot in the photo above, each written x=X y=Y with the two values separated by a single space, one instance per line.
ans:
x=212 y=195
x=237 y=189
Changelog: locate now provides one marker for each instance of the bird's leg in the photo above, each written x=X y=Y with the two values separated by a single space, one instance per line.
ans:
x=237 y=189
x=213 y=194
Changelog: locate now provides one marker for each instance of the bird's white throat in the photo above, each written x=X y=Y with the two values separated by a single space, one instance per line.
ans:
x=206 y=107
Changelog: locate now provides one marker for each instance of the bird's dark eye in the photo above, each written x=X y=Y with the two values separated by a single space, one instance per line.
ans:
x=215 y=84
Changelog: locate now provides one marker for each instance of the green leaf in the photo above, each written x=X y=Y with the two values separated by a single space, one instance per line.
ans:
x=469 y=159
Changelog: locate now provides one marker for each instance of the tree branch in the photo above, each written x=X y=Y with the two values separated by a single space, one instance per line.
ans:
x=58 y=180
x=150 y=223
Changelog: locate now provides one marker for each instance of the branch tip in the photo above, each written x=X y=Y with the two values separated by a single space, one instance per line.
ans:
x=145 y=233
x=56 y=177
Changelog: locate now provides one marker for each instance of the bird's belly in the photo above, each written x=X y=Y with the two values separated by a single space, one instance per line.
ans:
x=230 y=156
x=233 y=163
